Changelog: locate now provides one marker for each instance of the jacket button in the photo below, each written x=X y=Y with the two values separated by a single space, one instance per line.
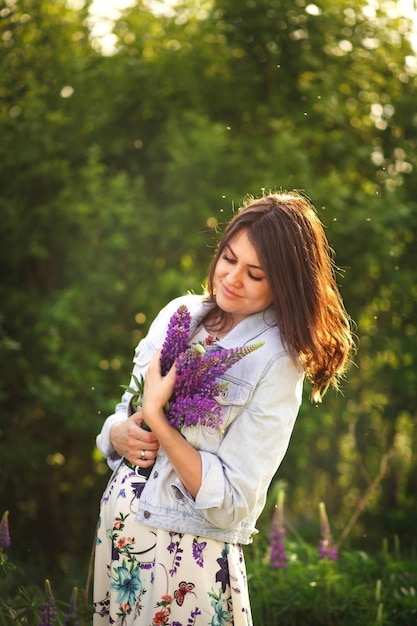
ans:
x=155 y=474
x=146 y=514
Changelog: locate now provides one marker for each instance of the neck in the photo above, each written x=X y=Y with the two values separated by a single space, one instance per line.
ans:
x=218 y=323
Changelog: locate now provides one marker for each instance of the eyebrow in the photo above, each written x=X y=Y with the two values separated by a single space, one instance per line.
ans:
x=256 y=267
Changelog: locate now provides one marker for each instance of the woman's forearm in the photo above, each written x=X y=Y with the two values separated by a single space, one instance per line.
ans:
x=185 y=459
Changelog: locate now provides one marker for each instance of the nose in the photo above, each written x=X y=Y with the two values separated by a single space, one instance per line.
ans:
x=235 y=275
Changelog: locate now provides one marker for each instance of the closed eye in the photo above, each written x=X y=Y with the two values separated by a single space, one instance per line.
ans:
x=232 y=261
x=257 y=278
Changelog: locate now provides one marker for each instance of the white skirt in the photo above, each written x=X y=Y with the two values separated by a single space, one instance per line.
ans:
x=146 y=576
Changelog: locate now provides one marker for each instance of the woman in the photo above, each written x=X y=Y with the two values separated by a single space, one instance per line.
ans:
x=180 y=505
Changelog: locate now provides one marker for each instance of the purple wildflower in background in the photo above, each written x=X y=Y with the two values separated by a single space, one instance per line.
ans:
x=327 y=547
x=48 y=610
x=4 y=531
x=277 y=536
x=71 y=618
x=176 y=338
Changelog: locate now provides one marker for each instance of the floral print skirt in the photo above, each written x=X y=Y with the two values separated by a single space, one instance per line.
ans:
x=147 y=576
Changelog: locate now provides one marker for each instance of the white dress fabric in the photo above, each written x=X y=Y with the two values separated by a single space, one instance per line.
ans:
x=147 y=576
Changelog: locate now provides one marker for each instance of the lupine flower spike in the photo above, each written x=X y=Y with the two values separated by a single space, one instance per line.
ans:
x=175 y=343
x=327 y=548
x=277 y=535
x=71 y=618
x=176 y=338
x=48 y=611
x=4 y=531
x=196 y=387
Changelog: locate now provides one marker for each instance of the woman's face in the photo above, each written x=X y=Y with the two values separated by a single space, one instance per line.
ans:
x=239 y=281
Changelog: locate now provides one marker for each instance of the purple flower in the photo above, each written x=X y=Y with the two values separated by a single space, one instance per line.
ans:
x=4 y=531
x=197 y=383
x=327 y=547
x=223 y=576
x=71 y=618
x=137 y=489
x=277 y=535
x=196 y=387
x=176 y=339
x=48 y=611
x=198 y=549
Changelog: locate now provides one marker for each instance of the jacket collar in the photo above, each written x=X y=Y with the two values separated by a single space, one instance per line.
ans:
x=245 y=332
x=249 y=329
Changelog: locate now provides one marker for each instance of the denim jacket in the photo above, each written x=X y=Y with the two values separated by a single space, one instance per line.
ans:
x=259 y=406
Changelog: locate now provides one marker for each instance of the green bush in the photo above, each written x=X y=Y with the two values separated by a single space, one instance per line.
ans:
x=355 y=589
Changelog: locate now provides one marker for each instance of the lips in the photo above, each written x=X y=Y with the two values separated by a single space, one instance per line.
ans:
x=227 y=292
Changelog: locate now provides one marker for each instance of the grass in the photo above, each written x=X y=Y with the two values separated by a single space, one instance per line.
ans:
x=357 y=589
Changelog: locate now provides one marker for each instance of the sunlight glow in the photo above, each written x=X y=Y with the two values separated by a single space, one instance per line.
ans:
x=105 y=12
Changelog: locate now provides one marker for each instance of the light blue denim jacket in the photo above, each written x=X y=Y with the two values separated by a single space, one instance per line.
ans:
x=259 y=407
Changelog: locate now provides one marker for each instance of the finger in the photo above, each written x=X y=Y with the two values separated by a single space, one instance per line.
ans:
x=145 y=458
x=151 y=446
x=155 y=364
x=144 y=438
x=172 y=374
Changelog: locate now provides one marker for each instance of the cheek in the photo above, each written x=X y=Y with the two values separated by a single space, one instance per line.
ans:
x=266 y=296
x=216 y=276
x=219 y=270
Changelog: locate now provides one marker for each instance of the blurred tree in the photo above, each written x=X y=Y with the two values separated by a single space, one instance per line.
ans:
x=44 y=121
x=116 y=173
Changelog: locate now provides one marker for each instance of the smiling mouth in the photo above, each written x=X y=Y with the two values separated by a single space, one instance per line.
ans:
x=228 y=292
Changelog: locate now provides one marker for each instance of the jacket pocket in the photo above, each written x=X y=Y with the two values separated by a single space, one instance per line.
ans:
x=233 y=398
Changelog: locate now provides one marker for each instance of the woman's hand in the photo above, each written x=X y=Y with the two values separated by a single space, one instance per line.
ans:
x=185 y=460
x=137 y=445
x=157 y=391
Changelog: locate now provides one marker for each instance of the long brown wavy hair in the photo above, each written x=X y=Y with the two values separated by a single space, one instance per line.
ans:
x=293 y=250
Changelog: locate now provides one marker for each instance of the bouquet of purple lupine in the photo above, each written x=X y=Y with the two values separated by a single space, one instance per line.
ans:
x=196 y=387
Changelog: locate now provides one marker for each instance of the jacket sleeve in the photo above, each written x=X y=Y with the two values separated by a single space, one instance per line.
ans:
x=124 y=409
x=103 y=442
x=236 y=478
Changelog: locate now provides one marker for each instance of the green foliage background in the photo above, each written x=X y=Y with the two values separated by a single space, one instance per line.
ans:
x=116 y=171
